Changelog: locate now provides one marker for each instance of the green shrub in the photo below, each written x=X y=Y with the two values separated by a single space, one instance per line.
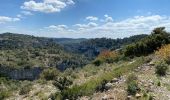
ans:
x=101 y=87
x=25 y=90
x=55 y=96
x=97 y=62
x=159 y=83
x=150 y=97
x=62 y=83
x=49 y=74
x=132 y=88
x=132 y=85
x=25 y=64
x=110 y=60
x=145 y=94
x=161 y=68
x=131 y=78
x=4 y=94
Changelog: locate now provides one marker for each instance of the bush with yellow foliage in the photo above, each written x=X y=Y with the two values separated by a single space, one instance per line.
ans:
x=107 y=57
x=164 y=53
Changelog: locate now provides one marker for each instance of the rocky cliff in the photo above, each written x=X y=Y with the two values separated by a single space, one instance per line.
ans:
x=22 y=73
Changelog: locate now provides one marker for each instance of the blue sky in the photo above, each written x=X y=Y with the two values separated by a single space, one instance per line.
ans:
x=83 y=18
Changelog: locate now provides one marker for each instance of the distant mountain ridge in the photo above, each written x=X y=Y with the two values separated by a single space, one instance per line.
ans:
x=92 y=47
x=69 y=40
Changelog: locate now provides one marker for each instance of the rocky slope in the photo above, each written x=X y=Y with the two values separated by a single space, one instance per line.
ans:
x=147 y=81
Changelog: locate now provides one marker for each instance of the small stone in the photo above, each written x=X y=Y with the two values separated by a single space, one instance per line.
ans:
x=151 y=63
x=138 y=95
x=114 y=80
x=140 y=83
x=108 y=86
x=85 y=98
x=129 y=97
x=136 y=70
x=104 y=98
x=145 y=85
x=111 y=98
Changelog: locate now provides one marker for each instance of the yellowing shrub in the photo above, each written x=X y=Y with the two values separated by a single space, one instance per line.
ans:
x=164 y=53
x=106 y=56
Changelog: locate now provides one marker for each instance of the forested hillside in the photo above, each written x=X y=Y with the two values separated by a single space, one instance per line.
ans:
x=28 y=51
x=19 y=50
x=92 y=47
x=65 y=41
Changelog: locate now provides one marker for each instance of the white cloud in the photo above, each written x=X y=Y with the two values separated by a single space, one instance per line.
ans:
x=57 y=27
x=108 y=18
x=47 y=6
x=27 y=13
x=86 y=26
x=117 y=29
x=4 y=19
x=23 y=14
x=135 y=25
x=91 y=18
x=19 y=16
x=15 y=19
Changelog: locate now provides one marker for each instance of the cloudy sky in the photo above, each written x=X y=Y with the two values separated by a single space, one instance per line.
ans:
x=83 y=18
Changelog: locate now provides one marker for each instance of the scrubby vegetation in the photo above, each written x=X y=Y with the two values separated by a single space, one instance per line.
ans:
x=107 y=57
x=64 y=75
x=50 y=74
x=164 y=53
x=4 y=94
x=149 y=44
x=132 y=87
x=25 y=89
x=26 y=51
x=62 y=83
x=161 y=68
x=29 y=51
x=91 y=86
x=7 y=87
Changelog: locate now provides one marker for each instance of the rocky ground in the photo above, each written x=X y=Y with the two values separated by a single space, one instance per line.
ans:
x=147 y=81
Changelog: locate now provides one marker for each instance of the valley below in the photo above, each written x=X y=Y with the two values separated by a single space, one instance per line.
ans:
x=39 y=68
